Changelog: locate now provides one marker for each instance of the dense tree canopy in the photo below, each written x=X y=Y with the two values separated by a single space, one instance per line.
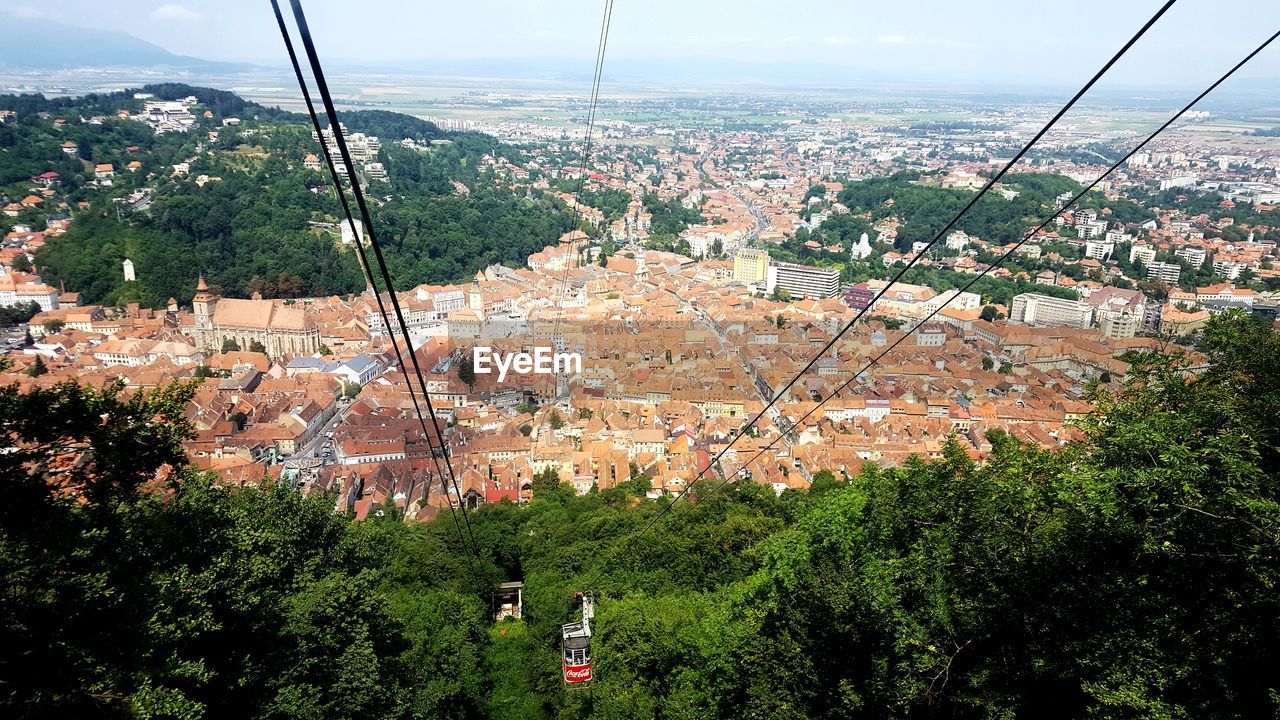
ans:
x=160 y=599
x=392 y=126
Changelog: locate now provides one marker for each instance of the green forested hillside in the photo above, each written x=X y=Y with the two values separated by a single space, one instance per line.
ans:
x=263 y=223
x=1132 y=575
x=926 y=209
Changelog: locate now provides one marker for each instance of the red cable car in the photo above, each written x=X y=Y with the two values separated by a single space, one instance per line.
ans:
x=576 y=644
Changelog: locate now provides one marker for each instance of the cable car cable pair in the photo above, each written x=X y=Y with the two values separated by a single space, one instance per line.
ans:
x=1008 y=253
x=667 y=508
x=973 y=201
x=349 y=167
x=346 y=209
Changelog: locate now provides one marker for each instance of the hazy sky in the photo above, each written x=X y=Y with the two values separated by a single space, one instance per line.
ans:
x=1023 y=41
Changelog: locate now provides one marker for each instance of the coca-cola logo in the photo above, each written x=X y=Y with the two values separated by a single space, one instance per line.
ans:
x=577 y=673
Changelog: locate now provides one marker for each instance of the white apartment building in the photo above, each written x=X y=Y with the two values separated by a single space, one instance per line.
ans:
x=804 y=281
x=1178 y=181
x=953 y=299
x=1163 y=271
x=1099 y=249
x=1144 y=253
x=1193 y=255
x=1227 y=269
x=1091 y=229
x=1044 y=310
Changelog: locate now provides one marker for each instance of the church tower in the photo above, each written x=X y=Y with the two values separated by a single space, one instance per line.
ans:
x=204 y=304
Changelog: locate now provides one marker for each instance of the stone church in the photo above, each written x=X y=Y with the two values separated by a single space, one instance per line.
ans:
x=281 y=329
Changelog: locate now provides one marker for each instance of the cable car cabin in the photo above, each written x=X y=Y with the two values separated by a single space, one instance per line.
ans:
x=576 y=645
x=577 y=653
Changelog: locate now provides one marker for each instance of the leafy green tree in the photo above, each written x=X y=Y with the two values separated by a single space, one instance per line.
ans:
x=255 y=346
x=987 y=363
x=230 y=345
x=546 y=482
x=14 y=314
x=823 y=481
x=21 y=263
x=38 y=367
x=59 y=552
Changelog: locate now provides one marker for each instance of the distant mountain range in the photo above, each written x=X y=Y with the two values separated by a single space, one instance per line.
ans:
x=36 y=44
x=30 y=44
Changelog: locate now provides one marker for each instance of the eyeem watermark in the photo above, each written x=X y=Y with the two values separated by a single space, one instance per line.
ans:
x=542 y=361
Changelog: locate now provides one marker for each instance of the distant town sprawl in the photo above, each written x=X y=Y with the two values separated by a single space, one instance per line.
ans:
x=706 y=267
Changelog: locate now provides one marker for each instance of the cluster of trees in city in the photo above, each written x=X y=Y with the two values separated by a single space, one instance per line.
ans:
x=246 y=237
x=20 y=313
x=610 y=201
x=265 y=224
x=392 y=126
x=448 y=239
x=32 y=146
x=1131 y=574
x=243 y=229
x=926 y=209
x=840 y=229
x=669 y=217
x=417 y=174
